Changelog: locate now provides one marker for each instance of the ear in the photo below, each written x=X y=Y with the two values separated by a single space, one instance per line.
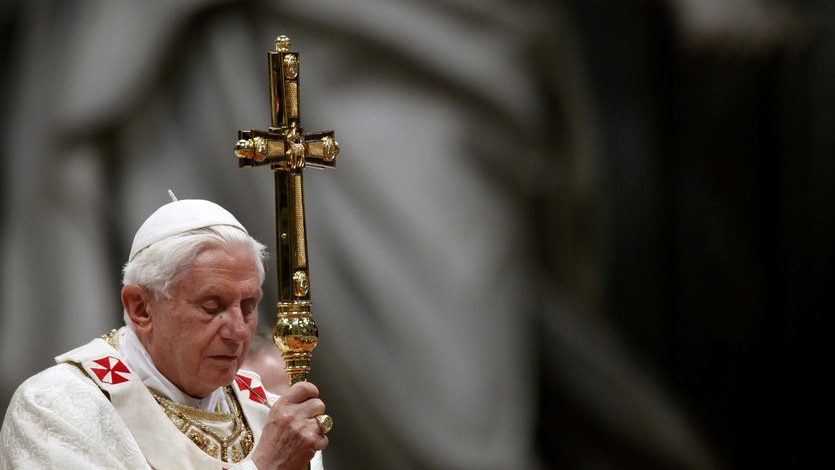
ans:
x=135 y=299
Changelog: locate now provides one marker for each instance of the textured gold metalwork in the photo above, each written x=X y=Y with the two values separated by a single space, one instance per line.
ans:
x=295 y=335
x=283 y=44
x=257 y=148
x=245 y=149
x=325 y=423
x=291 y=66
x=300 y=258
x=295 y=150
x=195 y=424
x=275 y=147
x=330 y=148
x=112 y=338
x=292 y=100
x=301 y=283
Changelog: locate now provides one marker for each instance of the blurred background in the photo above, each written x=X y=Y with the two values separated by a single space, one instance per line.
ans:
x=561 y=234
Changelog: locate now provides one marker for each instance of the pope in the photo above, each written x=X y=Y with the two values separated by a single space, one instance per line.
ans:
x=166 y=389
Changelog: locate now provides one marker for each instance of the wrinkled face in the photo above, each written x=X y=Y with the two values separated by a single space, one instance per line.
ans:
x=199 y=337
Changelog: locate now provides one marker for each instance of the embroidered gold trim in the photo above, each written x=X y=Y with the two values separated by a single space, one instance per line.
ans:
x=204 y=428
x=224 y=436
x=112 y=338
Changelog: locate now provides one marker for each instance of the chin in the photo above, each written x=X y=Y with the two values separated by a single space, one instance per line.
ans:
x=229 y=377
x=219 y=380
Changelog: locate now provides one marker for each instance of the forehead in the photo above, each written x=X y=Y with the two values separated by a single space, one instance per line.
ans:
x=218 y=266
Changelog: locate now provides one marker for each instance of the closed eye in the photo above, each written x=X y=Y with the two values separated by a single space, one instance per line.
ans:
x=248 y=306
x=212 y=307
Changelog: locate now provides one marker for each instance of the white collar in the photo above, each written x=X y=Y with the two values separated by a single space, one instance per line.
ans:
x=140 y=362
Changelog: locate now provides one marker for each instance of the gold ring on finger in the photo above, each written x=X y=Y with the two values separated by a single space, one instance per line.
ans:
x=325 y=423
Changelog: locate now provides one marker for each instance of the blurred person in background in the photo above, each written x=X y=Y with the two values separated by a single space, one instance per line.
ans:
x=265 y=359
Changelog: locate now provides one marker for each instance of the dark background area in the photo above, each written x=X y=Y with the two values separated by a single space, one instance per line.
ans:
x=718 y=173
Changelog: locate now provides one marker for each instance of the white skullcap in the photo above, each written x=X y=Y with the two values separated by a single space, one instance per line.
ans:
x=179 y=217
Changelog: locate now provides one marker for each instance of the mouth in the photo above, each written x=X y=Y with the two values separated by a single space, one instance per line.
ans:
x=224 y=358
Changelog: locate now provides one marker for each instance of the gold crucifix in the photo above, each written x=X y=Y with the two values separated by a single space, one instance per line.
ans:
x=288 y=150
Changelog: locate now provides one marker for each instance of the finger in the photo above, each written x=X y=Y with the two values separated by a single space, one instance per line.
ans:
x=300 y=392
x=310 y=408
x=316 y=438
x=321 y=443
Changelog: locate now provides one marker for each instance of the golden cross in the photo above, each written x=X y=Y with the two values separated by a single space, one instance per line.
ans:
x=288 y=150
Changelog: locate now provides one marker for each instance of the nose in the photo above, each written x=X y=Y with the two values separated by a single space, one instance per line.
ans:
x=234 y=326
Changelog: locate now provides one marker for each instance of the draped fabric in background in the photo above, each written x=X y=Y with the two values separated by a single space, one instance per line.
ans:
x=534 y=251
x=421 y=272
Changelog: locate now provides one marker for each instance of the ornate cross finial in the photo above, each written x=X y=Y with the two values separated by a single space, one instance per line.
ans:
x=288 y=150
x=283 y=44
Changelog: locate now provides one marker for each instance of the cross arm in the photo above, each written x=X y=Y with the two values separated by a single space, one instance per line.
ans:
x=286 y=149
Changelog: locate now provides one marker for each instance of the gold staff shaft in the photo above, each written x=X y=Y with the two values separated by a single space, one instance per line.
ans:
x=287 y=150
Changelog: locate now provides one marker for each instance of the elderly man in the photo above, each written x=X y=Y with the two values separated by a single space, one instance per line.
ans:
x=165 y=390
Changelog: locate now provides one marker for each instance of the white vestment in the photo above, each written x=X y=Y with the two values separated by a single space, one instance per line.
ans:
x=92 y=410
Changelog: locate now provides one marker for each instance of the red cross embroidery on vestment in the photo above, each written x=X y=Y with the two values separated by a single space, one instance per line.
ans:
x=256 y=394
x=113 y=370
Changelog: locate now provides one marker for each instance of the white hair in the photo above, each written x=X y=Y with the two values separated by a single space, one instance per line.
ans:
x=160 y=266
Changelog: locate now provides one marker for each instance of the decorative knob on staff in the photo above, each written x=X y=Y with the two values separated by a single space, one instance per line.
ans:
x=288 y=150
